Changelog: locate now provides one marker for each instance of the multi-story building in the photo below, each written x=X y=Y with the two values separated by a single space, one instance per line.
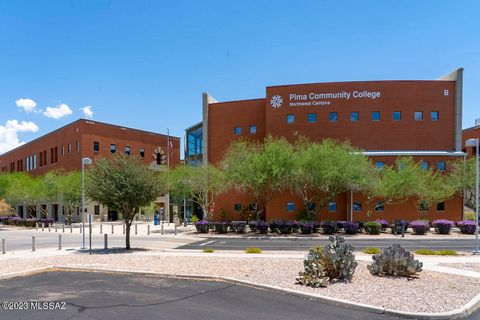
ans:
x=386 y=119
x=471 y=133
x=64 y=148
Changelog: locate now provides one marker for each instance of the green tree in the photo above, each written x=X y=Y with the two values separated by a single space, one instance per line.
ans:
x=462 y=178
x=323 y=170
x=261 y=170
x=201 y=183
x=123 y=183
x=69 y=187
x=19 y=188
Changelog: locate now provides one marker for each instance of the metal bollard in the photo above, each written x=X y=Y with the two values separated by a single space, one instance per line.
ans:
x=56 y=227
x=175 y=228
x=101 y=228
x=123 y=225
x=105 y=241
x=112 y=228
x=161 y=229
x=49 y=228
x=43 y=226
x=33 y=243
x=71 y=228
x=4 y=247
x=136 y=229
x=148 y=229
x=63 y=228
x=59 y=242
x=36 y=226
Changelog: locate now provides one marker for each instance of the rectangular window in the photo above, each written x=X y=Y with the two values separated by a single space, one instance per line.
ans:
x=380 y=164
x=312 y=117
x=332 y=206
x=333 y=116
x=290 y=118
x=78 y=145
x=237 y=131
x=418 y=115
x=127 y=150
x=290 y=207
x=424 y=165
x=441 y=166
x=34 y=161
x=96 y=210
x=441 y=206
x=27 y=164
x=237 y=207
x=434 y=115
x=357 y=206
x=354 y=116
x=253 y=129
x=375 y=115
x=397 y=115
x=41 y=159
x=63 y=151
x=113 y=148
x=69 y=148
x=379 y=207
x=96 y=146
x=142 y=153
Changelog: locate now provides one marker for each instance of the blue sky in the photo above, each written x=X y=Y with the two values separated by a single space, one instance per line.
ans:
x=144 y=64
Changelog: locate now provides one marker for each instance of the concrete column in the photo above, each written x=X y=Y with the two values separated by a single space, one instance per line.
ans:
x=49 y=211
x=457 y=76
x=39 y=211
x=206 y=100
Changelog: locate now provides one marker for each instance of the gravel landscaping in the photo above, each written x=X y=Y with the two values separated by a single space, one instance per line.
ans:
x=430 y=292
x=465 y=266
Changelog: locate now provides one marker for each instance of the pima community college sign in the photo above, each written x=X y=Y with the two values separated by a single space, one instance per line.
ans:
x=322 y=98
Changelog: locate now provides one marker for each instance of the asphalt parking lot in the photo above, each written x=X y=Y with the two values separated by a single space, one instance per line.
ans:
x=126 y=296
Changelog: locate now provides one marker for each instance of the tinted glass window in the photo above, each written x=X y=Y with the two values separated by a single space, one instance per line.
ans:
x=333 y=116
x=312 y=117
x=253 y=129
x=354 y=116
x=441 y=166
x=237 y=131
x=291 y=207
x=397 y=115
x=418 y=116
x=357 y=206
x=332 y=206
x=290 y=118
x=434 y=115
x=376 y=116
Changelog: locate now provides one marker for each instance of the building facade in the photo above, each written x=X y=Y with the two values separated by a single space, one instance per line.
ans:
x=64 y=148
x=386 y=119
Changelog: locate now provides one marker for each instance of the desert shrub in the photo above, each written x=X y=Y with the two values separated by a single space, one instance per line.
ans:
x=395 y=261
x=469 y=215
x=383 y=224
x=406 y=223
x=447 y=252
x=221 y=226
x=351 y=227
x=466 y=226
x=262 y=227
x=194 y=219
x=372 y=227
x=253 y=250
x=430 y=252
x=19 y=222
x=239 y=226
x=202 y=226
x=372 y=250
x=306 y=227
x=335 y=261
x=273 y=225
x=420 y=226
x=284 y=227
x=442 y=226
x=295 y=225
x=329 y=226
x=208 y=250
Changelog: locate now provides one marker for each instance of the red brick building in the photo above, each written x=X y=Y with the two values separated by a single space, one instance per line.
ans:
x=386 y=119
x=64 y=148
x=471 y=133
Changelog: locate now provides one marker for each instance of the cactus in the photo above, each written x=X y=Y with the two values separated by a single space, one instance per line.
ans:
x=395 y=261
x=322 y=265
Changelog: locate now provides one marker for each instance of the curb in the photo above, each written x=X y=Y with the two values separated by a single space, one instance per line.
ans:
x=459 y=313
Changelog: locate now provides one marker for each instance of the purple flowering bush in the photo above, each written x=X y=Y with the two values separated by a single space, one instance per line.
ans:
x=466 y=226
x=383 y=223
x=442 y=226
x=329 y=227
x=306 y=227
x=262 y=227
x=420 y=227
x=285 y=227
x=202 y=226
x=351 y=227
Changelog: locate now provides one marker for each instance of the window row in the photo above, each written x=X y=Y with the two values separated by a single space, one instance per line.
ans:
x=252 y=129
x=357 y=206
x=375 y=116
x=113 y=149
x=425 y=165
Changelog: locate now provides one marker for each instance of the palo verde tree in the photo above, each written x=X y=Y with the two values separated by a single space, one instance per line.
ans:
x=69 y=188
x=462 y=179
x=261 y=170
x=201 y=183
x=123 y=183
x=322 y=170
x=19 y=188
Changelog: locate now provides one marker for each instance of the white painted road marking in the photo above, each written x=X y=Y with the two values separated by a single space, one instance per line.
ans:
x=205 y=243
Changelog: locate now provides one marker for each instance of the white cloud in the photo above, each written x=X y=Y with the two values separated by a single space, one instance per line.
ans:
x=87 y=112
x=57 y=112
x=26 y=104
x=9 y=134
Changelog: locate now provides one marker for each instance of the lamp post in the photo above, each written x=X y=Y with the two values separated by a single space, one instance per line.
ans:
x=84 y=162
x=475 y=143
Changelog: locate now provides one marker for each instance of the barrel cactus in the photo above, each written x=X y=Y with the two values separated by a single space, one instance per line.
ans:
x=322 y=265
x=395 y=261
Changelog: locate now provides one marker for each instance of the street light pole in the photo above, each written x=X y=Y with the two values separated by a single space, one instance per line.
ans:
x=84 y=162
x=476 y=143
